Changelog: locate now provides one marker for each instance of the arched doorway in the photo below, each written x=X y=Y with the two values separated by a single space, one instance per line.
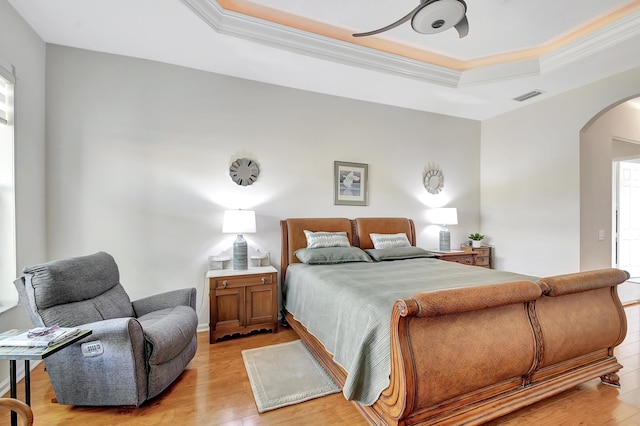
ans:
x=608 y=144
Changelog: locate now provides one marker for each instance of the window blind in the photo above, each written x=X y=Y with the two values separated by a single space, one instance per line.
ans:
x=4 y=107
x=6 y=94
x=8 y=263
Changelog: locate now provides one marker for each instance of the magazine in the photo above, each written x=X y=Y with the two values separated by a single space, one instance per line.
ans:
x=41 y=336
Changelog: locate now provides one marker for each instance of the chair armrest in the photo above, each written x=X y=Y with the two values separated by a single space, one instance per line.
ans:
x=19 y=407
x=170 y=299
x=116 y=328
x=118 y=376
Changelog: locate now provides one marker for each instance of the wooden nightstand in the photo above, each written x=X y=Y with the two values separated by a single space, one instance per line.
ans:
x=484 y=257
x=242 y=301
x=465 y=257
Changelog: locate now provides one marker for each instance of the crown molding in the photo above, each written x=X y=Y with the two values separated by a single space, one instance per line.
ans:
x=500 y=72
x=294 y=40
x=297 y=41
x=602 y=39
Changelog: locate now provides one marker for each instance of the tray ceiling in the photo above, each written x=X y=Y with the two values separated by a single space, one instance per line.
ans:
x=513 y=46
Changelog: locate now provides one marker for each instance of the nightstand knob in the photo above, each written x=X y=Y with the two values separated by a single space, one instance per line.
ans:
x=224 y=284
x=264 y=280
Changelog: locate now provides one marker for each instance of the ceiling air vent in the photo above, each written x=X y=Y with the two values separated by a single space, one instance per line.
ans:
x=529 y=95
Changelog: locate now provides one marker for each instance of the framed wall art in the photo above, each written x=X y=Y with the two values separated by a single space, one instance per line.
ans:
x=350 y=184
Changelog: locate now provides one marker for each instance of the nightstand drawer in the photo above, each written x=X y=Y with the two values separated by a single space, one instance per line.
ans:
x=482 y=260
x=482 y=251
x=241 y=281
x=466 y=259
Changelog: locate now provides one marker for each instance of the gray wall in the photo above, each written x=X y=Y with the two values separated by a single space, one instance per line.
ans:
x=138 y=154
x=532 y=205
x=23 y=49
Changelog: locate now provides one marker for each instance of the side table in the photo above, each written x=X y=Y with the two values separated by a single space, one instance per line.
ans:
x=242 y=301
x=28 y=353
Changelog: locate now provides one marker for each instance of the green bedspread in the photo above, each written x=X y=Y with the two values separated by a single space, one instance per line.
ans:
x=348 y=308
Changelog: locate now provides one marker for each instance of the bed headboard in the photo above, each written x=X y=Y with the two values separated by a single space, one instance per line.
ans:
x=358 y=230
x=382 y=225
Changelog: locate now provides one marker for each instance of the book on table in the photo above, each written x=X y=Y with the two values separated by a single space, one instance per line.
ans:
x=40 y=336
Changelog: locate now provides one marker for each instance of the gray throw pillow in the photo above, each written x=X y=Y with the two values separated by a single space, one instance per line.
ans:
x=398 y=253
x=331 y=255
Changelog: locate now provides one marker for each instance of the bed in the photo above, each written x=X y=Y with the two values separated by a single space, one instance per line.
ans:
x=442 y=343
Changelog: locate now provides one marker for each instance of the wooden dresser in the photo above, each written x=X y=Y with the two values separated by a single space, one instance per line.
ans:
x=241 y=302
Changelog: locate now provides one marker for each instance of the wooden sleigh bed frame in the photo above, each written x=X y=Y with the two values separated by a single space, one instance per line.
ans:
x=561 y=332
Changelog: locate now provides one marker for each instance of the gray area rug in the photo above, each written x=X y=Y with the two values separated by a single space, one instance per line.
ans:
x=285 y=374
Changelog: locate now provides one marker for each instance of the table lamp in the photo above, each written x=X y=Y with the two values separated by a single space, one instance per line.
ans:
x=239 y=222
x=443 y=217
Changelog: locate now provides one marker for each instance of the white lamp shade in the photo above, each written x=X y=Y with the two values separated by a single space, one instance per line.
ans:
x=444 y=216
x=239 y=222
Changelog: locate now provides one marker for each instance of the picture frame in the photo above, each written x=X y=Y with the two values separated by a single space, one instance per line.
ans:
x=350 y=184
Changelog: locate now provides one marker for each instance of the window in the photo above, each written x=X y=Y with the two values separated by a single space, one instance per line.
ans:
x=8 y=295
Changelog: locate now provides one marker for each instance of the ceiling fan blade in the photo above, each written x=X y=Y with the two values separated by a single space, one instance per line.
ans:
x=462 y=27
x=390 y=26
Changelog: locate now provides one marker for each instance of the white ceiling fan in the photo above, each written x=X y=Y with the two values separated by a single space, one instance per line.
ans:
x=432 y=17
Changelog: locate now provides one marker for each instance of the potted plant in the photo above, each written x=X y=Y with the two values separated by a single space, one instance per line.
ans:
x=476 y=239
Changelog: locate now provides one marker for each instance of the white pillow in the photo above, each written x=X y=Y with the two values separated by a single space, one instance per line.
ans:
x=326 y=239
x=386 y=241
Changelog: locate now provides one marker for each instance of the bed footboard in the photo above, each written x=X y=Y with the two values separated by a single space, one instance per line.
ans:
x=583 y=320
x=470 y=355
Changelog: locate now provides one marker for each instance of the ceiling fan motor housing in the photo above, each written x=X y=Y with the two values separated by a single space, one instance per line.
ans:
x=438 y=16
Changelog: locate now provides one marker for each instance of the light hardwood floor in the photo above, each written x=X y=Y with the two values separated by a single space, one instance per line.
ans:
x=215 y=390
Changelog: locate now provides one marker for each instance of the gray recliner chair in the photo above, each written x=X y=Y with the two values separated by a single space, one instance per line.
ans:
x=146 y=343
